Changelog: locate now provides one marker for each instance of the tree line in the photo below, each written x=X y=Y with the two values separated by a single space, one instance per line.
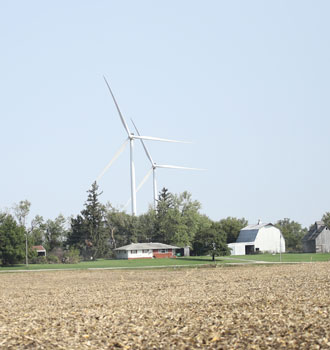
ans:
x=100 y=228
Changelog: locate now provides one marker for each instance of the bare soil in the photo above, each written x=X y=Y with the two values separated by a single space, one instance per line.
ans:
x=245 y=307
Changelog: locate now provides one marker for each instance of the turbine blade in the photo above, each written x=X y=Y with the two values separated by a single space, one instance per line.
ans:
x=175 y=167
x=121 y=149
x=156 y=139
x=127 y=203
x=144 y=180
x=143 y=144
x=120 y=115
x=139 y=187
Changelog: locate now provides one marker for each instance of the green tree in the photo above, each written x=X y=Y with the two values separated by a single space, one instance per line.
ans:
x=38 y=230
x=88 y=231
x=293 y=233
x=146 y=226
x=55 y=232
x=121 y=228
x=165 y=217
x=189 y=219
x=21 y=211
x=78 y=233
x=326 y=219
x=231 y=227
x=12 y=240
x=211 y=241
x=177 y=218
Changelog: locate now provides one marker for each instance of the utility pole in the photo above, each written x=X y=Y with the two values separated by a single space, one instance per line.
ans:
x=26 y=250
x=280 y=247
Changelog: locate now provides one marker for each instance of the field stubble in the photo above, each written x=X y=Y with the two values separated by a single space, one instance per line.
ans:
x=244 y=307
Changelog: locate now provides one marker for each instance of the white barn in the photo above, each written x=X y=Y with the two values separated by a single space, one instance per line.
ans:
x=258 y=238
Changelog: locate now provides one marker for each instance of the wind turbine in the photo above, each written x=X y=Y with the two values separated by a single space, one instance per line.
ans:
x=154 y=166
x=131 y=138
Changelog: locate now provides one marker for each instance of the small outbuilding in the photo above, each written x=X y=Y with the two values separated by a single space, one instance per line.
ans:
x=41 y=251
x=317 y=240
x=146 y=251
x=258 y=238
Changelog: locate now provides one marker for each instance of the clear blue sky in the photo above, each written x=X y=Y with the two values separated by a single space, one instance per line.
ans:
x=246 y=81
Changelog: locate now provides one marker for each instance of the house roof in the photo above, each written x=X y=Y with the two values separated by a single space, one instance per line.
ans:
x=316 y=229
x=249 y=233
x=38 y=248
x=139 y=246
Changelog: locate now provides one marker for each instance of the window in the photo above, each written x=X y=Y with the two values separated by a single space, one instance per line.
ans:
x=163 y=250
x=133 y=251
x=146 y=251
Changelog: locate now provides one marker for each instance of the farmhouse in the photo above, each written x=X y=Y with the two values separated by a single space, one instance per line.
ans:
x=258 y=238
x=146 y=251
x=41 y=251
x=317 y=240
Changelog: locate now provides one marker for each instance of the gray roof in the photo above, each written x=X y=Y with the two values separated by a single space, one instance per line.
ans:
x=139 y=246
x=315 y=230
x=249 y=233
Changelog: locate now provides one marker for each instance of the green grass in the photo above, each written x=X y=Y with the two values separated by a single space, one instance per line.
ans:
x=184 y=261
x=287 y=257
x=103 y=263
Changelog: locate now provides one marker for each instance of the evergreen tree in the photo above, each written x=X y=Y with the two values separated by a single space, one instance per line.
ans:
x=12 y=240
x=88 y=231
x=165 y=217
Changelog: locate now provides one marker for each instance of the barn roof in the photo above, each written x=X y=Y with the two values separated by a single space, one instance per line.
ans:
x=249 y=233
x=315 y=230
x=139 y=246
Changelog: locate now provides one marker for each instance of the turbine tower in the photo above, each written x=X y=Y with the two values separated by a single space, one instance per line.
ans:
x=131 y=138
x=154 y=166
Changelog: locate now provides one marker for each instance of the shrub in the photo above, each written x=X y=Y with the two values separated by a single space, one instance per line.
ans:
x=38 y=260
x=58 y=252
x=52 y=259
x=71 y=256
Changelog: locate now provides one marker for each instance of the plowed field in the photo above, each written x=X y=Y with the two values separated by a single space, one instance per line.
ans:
x=248 y=307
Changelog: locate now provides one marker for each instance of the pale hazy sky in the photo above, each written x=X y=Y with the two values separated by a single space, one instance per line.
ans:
x=246 y=81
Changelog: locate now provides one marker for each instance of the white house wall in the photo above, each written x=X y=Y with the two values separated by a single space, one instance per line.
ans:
x=140 y=254
x=270 y=239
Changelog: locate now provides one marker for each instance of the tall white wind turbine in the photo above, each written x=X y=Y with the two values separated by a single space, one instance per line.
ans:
x=130 y=138
x=154 y=166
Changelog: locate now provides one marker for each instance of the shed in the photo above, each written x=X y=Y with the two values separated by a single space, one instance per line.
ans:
x=317 y=240
x=258 y=238
x=146 y=251
x=41 y=251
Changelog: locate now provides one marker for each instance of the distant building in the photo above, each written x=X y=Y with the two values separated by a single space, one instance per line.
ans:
x=258 y=238
x=146 y=251
x=41 y=251
x=317 y=240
